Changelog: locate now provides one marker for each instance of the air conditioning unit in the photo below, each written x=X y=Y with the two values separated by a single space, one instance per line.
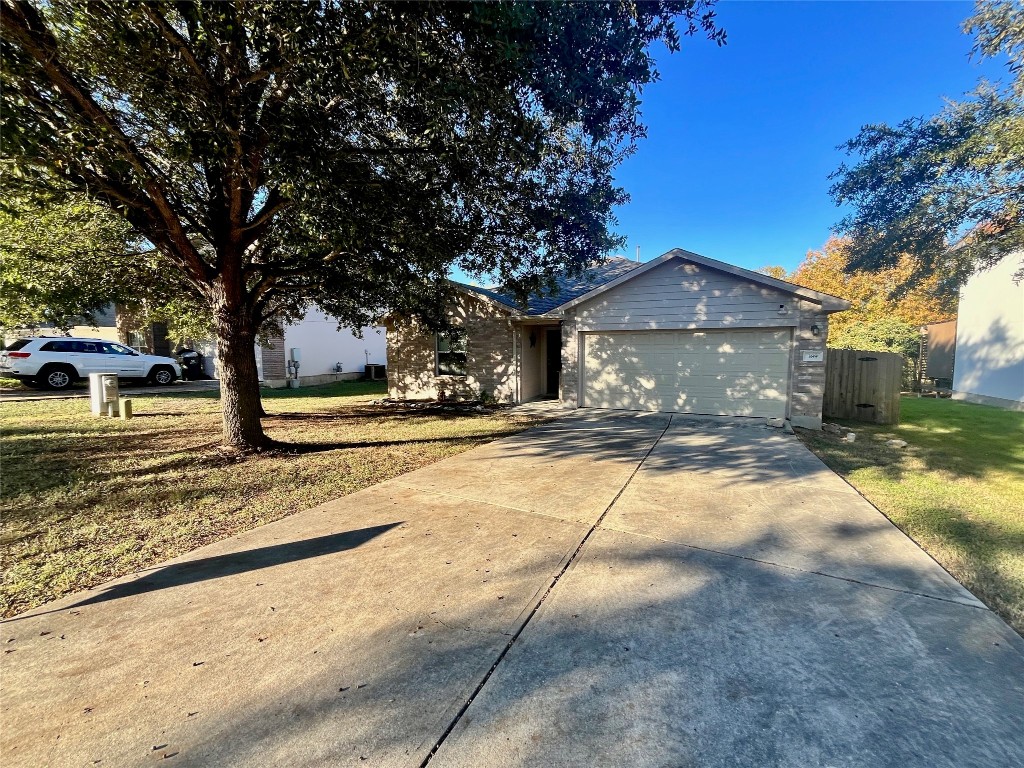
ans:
x=376 y=372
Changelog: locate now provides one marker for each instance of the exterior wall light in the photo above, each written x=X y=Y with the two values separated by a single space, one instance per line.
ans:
x=816 y=329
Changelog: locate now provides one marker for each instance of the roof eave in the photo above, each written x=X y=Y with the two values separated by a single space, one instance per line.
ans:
x=469 y=289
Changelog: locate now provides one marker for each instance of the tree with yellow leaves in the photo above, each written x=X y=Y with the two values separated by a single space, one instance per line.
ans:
x=889 y=305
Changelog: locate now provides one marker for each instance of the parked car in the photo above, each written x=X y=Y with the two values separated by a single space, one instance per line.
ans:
x=57 y=363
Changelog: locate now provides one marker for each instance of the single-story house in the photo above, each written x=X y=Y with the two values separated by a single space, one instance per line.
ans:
x=989 y=366
x=110 y=323
x=326 y=352
x=682 y=333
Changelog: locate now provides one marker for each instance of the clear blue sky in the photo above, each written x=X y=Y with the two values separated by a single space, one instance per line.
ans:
x=741 y=139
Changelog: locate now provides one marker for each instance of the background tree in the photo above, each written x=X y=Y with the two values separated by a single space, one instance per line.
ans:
x=66 y=260
x=889 y=304
x=921 y=186
x=344 y=154
x=55 y=265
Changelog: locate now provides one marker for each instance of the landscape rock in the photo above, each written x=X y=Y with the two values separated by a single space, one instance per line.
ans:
x=777 y=423
x=896 y=443
x=835 y=429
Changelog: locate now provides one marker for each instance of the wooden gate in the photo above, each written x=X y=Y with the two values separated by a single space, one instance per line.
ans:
x=863 y=386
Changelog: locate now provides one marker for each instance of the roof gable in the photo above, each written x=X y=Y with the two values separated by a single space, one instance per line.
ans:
x=828 y=302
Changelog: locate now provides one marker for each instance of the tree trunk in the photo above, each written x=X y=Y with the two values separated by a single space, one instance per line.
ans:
x=239 y=379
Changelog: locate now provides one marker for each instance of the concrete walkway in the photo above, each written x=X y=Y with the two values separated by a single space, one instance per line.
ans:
x=601 y=590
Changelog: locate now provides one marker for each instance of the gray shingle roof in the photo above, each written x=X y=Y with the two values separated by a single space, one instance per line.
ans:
x=566 y=288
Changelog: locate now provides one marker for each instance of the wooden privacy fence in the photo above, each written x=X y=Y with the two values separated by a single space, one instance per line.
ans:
x=864 y=386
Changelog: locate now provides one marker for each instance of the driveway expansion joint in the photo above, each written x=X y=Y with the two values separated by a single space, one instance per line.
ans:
x=536 y=608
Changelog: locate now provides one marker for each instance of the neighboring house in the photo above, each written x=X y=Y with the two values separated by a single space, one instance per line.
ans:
x=326 y=353
x=938 y=353
x=322 y=346
x=990 y=337
x=111 y=324
x=682 y=333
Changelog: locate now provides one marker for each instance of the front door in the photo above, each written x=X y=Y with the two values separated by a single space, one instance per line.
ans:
x=553 y=342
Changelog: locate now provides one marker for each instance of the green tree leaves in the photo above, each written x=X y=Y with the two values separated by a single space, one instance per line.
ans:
x=957 y=177
x=59 y=262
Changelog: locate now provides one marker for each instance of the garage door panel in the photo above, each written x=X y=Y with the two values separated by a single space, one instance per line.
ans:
x=740 y=373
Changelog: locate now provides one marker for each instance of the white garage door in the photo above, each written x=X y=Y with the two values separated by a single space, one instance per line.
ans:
x=732 y=373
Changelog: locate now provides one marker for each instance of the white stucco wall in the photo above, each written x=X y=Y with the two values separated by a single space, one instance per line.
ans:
x=323 y=345
x=989 y=364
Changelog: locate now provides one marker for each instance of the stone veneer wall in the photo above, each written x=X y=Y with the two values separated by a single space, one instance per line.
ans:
x=808 y=379
x=490 y=362
x=569 y=381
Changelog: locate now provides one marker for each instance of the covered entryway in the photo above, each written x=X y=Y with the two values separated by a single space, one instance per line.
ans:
x=540 y=361
x=743 y=372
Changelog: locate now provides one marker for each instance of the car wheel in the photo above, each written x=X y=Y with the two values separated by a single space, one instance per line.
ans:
x=162 y=375
x=57 y=377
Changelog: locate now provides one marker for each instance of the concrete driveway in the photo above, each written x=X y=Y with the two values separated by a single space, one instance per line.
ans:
x=602 y=590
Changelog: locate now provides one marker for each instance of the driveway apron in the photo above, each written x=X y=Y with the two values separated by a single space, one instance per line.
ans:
x=607 y=589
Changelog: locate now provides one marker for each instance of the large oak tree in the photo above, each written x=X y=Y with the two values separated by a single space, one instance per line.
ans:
x=955 y=178
x=346 y=154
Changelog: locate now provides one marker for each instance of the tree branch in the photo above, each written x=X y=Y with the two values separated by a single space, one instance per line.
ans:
x=171 y=35
x=22 y=22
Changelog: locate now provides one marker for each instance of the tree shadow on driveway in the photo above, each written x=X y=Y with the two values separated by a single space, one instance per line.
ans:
x=232 y=563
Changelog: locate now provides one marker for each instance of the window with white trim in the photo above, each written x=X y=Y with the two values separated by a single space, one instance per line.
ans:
x=451 y=353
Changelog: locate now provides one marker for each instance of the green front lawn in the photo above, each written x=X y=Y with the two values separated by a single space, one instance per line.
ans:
x=85 y=499
x=957 y=489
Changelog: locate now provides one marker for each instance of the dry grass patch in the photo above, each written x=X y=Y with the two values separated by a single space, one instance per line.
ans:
x=85 y=500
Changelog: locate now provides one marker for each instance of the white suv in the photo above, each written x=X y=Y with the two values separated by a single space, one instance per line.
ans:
x=57 y=363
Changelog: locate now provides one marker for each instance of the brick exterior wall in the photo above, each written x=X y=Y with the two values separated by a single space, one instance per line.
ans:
x=275 y=365
x=807 y=386
x=490 y=368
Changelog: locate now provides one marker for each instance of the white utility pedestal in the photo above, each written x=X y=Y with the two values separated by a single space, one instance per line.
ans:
x=103 y=394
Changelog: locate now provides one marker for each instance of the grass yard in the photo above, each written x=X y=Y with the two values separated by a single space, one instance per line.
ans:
x=85 y=499
x=957 y=489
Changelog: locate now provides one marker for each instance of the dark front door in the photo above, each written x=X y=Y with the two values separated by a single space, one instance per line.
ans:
x=554 y=355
